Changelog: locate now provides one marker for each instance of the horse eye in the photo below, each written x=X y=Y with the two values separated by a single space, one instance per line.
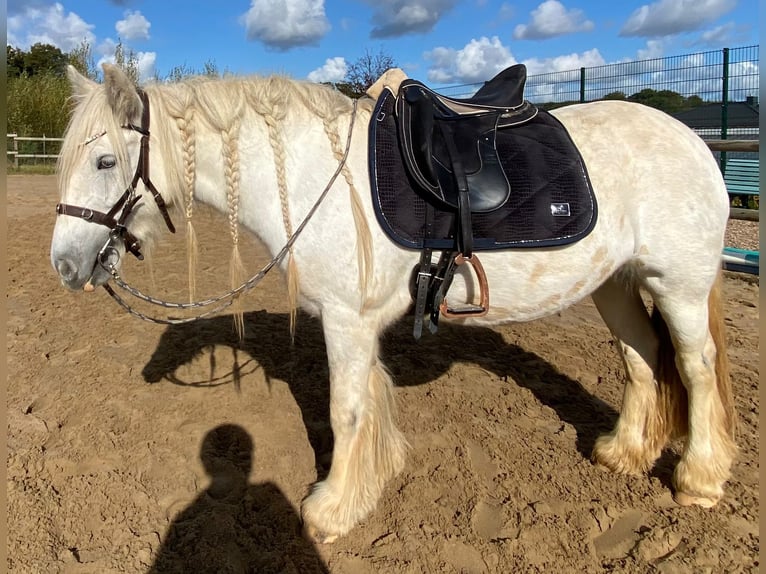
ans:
x=106 y=162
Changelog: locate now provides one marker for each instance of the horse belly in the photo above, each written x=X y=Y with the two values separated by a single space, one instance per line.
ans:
x=530 y=284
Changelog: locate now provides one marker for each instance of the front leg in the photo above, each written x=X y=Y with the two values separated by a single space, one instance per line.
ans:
x=369 y=450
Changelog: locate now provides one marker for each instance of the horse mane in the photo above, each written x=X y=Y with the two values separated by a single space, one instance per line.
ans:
x=180 y=108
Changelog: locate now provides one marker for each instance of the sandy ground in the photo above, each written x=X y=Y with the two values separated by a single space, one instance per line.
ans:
x=135 y=447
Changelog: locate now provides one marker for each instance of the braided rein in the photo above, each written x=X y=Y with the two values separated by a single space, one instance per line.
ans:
x=225 y=300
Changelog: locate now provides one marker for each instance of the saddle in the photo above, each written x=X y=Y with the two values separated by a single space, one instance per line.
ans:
x=460 y=175
x=449 y=145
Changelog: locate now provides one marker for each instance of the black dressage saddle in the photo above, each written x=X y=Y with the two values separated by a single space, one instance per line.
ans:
x=463 y=175
x=449 y=145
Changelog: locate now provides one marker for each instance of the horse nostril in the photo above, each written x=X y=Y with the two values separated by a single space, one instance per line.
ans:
x=66 y=269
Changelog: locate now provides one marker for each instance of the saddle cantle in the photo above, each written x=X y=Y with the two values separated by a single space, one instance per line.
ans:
x=458 y=175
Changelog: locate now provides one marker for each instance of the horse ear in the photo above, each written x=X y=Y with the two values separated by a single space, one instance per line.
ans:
x=80 y=84
x=121 y=93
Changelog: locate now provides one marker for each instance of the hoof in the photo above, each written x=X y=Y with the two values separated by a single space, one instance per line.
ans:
x=316 y=536
x=622 y=457
x=685 y=499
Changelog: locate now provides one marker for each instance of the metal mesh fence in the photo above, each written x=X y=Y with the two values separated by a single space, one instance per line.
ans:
x=703 y=74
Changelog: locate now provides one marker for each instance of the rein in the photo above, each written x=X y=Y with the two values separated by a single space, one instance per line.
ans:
x=229 y=297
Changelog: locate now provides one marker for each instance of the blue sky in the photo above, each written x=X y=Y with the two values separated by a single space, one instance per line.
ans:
x=445 y=42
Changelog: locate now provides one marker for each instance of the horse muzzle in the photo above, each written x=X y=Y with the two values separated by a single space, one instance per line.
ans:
x=79 y=277
x=86 y=271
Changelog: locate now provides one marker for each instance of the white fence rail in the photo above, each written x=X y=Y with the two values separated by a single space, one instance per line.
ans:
x=13 y=149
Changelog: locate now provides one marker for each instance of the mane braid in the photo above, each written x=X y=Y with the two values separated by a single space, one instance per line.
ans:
x=333 y=107
x=189 y=142
x=363 y=246
x=279 y=164
x=229 y=138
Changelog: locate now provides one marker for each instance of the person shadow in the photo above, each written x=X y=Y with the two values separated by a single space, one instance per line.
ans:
x=234 y=527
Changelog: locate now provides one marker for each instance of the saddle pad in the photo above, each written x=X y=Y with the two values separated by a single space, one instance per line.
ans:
x=551 y=201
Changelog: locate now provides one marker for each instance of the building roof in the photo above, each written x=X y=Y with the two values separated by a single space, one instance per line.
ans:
x=740 y=115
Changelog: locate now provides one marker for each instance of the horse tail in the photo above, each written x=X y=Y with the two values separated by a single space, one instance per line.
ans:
x=723 y=377
x=672 y=398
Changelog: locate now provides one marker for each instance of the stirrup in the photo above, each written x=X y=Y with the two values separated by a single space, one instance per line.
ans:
x=470 y=310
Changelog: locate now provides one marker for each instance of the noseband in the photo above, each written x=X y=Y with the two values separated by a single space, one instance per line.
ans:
x=115 y=219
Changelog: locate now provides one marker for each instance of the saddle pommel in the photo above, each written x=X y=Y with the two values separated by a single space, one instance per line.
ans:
x=390 y=79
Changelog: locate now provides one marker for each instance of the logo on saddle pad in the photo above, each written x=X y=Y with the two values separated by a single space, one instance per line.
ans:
x=560 y=210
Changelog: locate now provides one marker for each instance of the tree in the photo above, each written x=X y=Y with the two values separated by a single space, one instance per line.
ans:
x=127 y=60
x=45 y=59
x=178 y=73
x=14 y=61
x=614 y=96
x=82 y=59
x=665 y=100
x=364 y=71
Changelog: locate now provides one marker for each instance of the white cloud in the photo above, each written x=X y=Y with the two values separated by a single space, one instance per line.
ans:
x=477 y=61
x=725 y=35
x=551 y=18
x=587 y=59
x=106 y=48
x=654 y=49
x=134 y=27
x=334 y=70
x=146 y=62
x=285 y=24
x=667 y=17
x=48 y=25
x=393 y=18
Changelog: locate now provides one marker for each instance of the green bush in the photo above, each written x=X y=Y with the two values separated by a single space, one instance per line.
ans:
x=38 y=105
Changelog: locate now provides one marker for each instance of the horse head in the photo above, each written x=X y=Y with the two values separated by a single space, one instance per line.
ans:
x=105 y=153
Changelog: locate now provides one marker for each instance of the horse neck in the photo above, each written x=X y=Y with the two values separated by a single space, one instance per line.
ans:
x=239 y=164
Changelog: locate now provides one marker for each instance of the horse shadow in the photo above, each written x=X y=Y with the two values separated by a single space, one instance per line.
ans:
x=234 y=526
x=303 y=365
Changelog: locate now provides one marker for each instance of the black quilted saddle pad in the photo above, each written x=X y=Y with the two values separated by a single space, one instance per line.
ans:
x=551 y=201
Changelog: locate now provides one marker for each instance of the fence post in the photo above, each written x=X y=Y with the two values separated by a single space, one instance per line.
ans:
x=15 y=155
x=582 y=85
x=724 y=103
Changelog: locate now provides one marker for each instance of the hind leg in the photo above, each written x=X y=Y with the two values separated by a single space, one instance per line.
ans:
x=709 y=449
x=640 y=432
x=368 y=448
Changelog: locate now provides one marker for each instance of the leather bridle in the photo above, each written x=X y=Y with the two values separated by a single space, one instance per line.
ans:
x=116 y=218
x=118 y=231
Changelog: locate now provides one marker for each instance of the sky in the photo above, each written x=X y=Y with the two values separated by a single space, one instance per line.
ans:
x=443 y=42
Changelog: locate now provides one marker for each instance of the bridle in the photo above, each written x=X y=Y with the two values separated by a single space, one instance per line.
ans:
x=116 y=218
x=108 y=256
